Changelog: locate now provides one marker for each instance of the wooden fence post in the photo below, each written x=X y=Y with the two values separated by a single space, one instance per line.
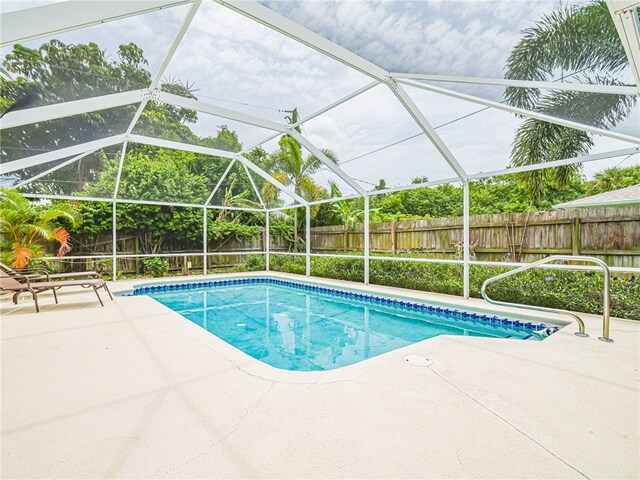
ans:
x=394 y=235
x=575 y=237
x=346 y=238
x=136 y=260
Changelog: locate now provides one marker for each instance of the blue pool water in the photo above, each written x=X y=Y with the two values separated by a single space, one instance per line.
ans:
x=297 y=326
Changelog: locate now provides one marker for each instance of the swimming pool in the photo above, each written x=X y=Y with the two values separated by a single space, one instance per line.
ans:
x=304 y=327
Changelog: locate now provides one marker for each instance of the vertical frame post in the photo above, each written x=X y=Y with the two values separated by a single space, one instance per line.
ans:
x=308 y=241
x=267 y=241
x=465 y=239
x=204 y=241
x=114 y=241
x=366 y=239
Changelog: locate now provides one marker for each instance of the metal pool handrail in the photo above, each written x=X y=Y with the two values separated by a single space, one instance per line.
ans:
x=581 y=329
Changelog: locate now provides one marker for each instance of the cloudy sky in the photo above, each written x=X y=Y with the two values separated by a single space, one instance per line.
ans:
x=237 y=63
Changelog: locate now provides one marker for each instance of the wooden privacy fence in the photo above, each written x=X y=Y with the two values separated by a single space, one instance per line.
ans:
x=130 y=245
x=612 y=234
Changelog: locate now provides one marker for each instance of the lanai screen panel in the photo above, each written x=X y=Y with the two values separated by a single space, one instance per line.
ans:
x=235 y=62
x=197 y=128
x=112 y=57
x=157 y=174
x=92 y=176
x=376 y=139
x=96 y=61
x=295 y=174
x=236 y=189
x=52 y=135
x=610 y=111
x=481 y=137
x=457 y=37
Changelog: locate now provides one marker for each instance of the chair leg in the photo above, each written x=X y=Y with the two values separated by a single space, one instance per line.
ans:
x=55 y=295
x=35 y=300
x=98 y=295
x=15 y=297
x=107 y=289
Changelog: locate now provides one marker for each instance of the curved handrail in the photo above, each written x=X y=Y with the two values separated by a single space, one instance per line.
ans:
x=552 y=258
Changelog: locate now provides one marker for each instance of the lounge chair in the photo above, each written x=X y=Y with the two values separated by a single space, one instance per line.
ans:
x=39 y=273
x=23 y=284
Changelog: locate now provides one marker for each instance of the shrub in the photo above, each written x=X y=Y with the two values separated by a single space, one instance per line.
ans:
x=580 y=291
x=339 y=268
x=155 y=266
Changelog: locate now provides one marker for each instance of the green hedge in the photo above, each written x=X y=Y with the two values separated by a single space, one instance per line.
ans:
x=567 y=289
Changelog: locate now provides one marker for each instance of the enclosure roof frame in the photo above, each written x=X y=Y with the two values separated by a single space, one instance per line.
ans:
x=60 y=17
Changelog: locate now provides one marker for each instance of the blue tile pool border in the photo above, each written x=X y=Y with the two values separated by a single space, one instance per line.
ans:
x=379 y=300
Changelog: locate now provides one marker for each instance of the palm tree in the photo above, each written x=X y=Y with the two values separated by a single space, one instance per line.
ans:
x=582 y=40
x=23 y=226
x=289 y=167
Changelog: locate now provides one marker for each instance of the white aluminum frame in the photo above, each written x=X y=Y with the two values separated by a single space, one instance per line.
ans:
x=522 y=112
x=67 y=109
x=39 y=22
x=625 y=18
x=505 y=82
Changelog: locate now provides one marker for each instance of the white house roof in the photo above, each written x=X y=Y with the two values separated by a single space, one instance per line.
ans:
x=623 y=196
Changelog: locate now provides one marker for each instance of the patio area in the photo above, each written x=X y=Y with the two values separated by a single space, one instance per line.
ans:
x=134 y=390
x=437 y=146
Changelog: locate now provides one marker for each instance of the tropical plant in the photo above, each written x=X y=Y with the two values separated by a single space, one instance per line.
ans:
x=155 y=266
x=582 y=40
x=351 y=211
x=233 y=198
x=25 y=227
x=290 y=168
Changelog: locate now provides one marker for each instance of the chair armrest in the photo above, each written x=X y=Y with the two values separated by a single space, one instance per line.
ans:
x=34 y=272
x=23 y=278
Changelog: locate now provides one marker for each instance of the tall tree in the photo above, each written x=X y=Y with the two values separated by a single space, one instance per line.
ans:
x=290 y=167
x=57 y=72
x=571 y=39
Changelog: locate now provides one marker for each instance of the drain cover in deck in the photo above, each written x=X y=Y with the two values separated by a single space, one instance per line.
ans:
x=417 y=360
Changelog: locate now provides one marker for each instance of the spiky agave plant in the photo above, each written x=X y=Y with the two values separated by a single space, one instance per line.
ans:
x=25 y=227
x=581 y=39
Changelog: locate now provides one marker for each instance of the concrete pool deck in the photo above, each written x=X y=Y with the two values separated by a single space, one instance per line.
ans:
x=134 y=390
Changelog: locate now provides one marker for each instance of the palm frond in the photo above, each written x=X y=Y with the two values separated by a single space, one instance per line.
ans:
x=61 y=211
x=21 y=255
x=310 y=190
x=584 y=39
x=570 y=39
x=270 y=192
x=62 y=237
x=312 y=163
x=291 y=157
